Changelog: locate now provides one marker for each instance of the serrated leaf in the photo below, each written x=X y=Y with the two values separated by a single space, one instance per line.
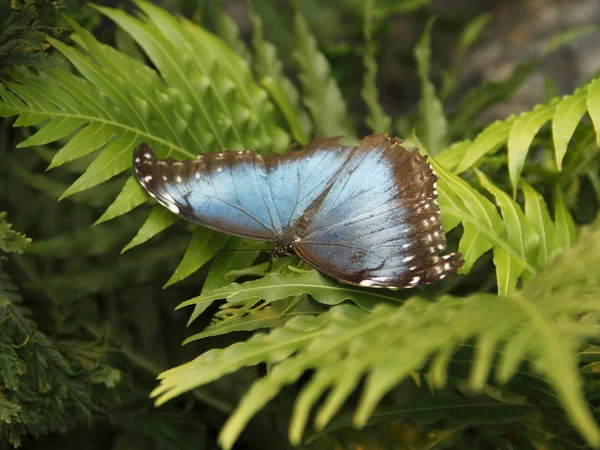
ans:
x=267 y=317
x=432 y=128
x=524 y=129
x=567 y=116
x=566 y=230
x=238 y=255
x=519 y=235
x=593 y=106
x=112 y=160
x=160 y=219
x=57 y=128
x=131 y=196
x=322 y=95
x=377 y=120
x=460 y=203
x=487 y=142
x=89 y=139
x=272 y=77
x=278 y=286
x=10 y=240
x=537 y=213
x=451 y=157
x=203 y=246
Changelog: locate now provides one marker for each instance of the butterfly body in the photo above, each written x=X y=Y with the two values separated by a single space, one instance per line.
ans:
x=365 y=215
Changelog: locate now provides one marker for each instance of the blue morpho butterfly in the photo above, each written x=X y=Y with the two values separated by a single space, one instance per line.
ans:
x=364 y=215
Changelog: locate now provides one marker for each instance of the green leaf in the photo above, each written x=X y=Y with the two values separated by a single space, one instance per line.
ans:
x=203 y=246
x=524 y=129
x=131 y=196
x=593 y=106
x=487 y=142
x=519 y=234
x=568 y=114
x=10 y=240
x=272 y=77
x=566 y=230
x=451 y=157
x=537 y=213
x=56 y=129
x=255 y=319
x=89 y=139
x=433 y=126
x=483 y=226
x=112 y=160
x=278 y=286
x=228 y=30
x=239 y=254
x=322 y=95
x=160 y=219
x=386 y=346
x=377 y=120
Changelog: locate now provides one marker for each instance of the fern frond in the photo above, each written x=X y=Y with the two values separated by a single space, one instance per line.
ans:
x=522 y=242
x=432 y=126
x=277 y=286
x=377 y=120
x=203 y=246
x=10 y=240
x=322 y=95
x=239 y=255
x=517 y=132
x=208 y=101
x=284 y=93
x=540 y=324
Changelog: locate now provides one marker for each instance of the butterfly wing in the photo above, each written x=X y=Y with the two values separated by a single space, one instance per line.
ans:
x=379 y=224
x=225 y=191
x=297 y=178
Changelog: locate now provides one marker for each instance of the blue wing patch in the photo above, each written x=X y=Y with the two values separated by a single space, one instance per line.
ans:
x=364 y=215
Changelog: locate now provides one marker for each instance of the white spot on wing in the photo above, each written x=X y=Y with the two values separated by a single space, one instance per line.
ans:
x=147 y=155
x=381 y=278
x=408 y=258
x=367 y=283
x=147 y=178
x=415 y=280
x=172 y=207
x=179 y=179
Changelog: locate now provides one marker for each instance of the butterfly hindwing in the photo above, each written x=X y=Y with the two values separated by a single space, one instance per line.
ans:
x=379 y=225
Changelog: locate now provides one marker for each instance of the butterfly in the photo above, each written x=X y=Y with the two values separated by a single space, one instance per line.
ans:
x=364 y=215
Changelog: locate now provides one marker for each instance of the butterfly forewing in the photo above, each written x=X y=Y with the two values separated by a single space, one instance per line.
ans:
x=226 y=191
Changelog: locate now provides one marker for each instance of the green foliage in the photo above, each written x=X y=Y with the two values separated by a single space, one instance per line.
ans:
x=25 y=24
x=539 y=324
x=504 y=348
x=45 y=384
